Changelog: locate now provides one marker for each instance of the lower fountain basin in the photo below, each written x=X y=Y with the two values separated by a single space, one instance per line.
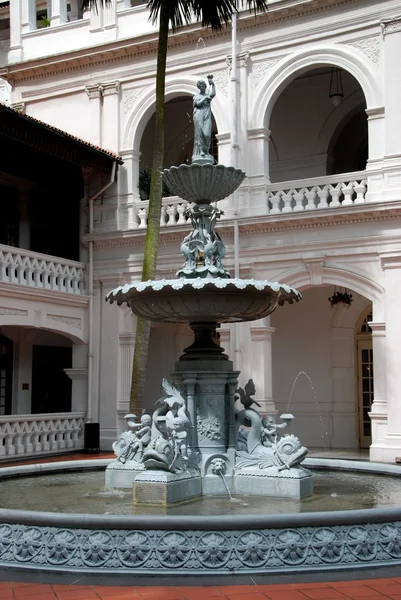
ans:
x=226 y=538
x=220 y=300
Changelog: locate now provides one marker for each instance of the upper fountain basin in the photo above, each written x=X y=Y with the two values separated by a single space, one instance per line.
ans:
x=203 y=183
x=220 y=301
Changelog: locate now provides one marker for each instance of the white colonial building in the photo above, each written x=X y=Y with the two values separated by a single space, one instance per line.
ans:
x=308 y=104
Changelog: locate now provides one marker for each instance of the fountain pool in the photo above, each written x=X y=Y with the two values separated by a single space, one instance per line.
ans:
x=353 y=520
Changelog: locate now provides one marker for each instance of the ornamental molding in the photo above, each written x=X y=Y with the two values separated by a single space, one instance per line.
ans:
x=369 y=46
x=110 y=89
x=4 y=310
x=130 y=96
x=11 y=290
x=288 y=222
x=111 y=53
x=242 y=60
x=315 y=267
x=72 y=321
x=261 y=69
x=19 y=107
x=391 y=25
x=196 y=551
x=93 y=91
x=77 y=373
x=221 y=80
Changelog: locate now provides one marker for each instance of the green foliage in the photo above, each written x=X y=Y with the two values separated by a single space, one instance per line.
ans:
x=43 y=22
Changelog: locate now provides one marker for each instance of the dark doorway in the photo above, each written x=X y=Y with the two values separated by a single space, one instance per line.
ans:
x=51 y=386
x=6 y=375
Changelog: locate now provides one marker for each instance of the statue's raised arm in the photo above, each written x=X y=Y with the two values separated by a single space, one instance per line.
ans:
x=203 y=121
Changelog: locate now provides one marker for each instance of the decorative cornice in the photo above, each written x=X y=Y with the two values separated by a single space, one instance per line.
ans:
x=93 y=91
x=19 y=106
x=364 y=213
x=116 y=51
x=242 y=59
x=375 y=113
x=391 y=260
x=11 y=290
x=110 y=89
x=315 y=268
x=391 y=25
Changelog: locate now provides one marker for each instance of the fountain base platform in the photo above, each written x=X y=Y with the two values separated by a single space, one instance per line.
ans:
x=293 y=483
x=163 y=488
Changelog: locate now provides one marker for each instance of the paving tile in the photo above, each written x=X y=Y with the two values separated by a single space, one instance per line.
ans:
x=309 y=586
x=201 y=592
x=323 y=593
x=32 y=589
x=351 y=591
x=161 y=595
x=38 y=596
x=131 y=596
x=83 y=593
x=236 y=590
x=266 y=588
x=286 y=595
x=109 y=590
x=387 y=588
x=247 y=596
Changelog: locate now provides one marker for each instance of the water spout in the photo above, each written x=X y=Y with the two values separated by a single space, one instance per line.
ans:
x=219 y=467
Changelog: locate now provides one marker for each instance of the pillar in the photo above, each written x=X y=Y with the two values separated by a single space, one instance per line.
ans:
x=391 y=448
x=28 y=15
x=262 y=371
x=94 y=95
x=258 y=169
x=125 y=358
x=378 y=413
x=110 y=117
x=79 y=377
x=123 y=4
x=15 y=51
x=58 y=12
x=391 y=29
x=110 y=15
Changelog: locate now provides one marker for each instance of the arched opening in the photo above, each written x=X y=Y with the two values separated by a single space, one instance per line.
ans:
x=32 y=371
x=179 y=139
x=364 y=351
x=324 y=399
x=311 y=136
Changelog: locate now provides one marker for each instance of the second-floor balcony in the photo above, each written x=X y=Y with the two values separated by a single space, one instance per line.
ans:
x=40 y=271
x=283 y=198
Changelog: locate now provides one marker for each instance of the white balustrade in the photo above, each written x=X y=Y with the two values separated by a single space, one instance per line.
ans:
x=346 y=189
x=319 y=193
x=41 y=271
x=33 y=435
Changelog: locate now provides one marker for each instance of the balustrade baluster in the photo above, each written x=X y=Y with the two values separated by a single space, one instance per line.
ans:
x=287 y=199
x=142 y=216
x=323 y=194
x=275 y=200
x=181 y=208
x=348 y=190
x=299 y=197
x=311 y=197
x=336 y=193
x=360 y=190
x=171 y=215
x=163 y=216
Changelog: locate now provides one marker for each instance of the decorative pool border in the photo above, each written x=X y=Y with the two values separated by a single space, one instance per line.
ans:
x=196 y=545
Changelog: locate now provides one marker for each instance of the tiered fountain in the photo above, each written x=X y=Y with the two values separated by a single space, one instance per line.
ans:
x=196 y=442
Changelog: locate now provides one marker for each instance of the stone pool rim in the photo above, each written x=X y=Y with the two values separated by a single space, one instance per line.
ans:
x=191 y=544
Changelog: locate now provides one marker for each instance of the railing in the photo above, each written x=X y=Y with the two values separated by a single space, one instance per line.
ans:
x=335 y=191
x=32 y=435
x=346 y=189
x=40 y=271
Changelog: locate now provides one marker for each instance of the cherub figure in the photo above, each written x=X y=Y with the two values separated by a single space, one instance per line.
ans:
x=179 y=435
x=269 y=433
x=140 y=439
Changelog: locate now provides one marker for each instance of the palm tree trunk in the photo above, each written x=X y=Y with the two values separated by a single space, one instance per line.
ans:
x=153 y=226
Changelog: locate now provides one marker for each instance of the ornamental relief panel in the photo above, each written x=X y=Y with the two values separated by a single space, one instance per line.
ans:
x=369 y=46
x=261 y=69
x=130 y=97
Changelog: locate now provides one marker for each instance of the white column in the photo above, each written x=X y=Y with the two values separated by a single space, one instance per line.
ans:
x=79 y=377
x=110 y=15
x=59 y=12
x=262 y=372
x=258 y=169
x=126 y=355
x=28 y=15
x=123 y=4
x=378 y=413
x=392 y=93
x=15 y=52
x=128 y=193
x=391 y=449
x=94 y=95
x=111 y=116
